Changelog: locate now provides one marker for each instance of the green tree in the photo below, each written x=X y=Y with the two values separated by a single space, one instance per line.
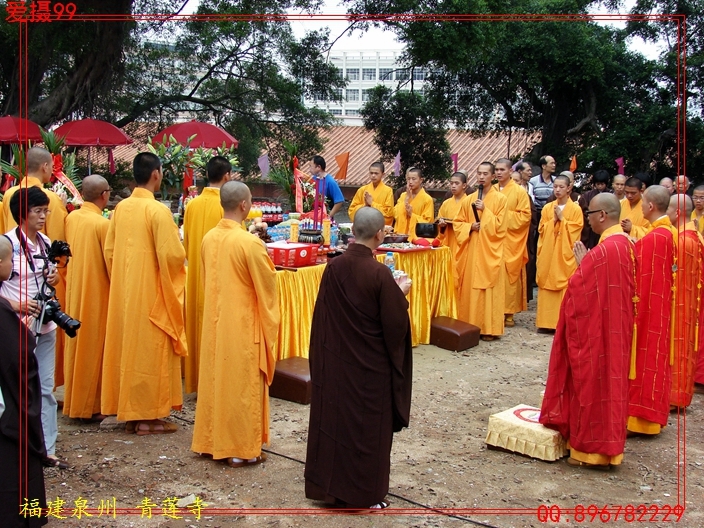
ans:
x=408 y=122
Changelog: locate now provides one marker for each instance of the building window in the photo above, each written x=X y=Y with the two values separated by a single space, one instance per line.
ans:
x=353 y=95
x=386 y=74
x=336 y=112
x=352 y=74
x=401 y=75
x=418 y=74
x=351 y=112
x=365 y=95
x=369 y=74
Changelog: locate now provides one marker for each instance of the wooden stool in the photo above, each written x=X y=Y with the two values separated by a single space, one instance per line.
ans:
x=452 y=334
x=292 y=380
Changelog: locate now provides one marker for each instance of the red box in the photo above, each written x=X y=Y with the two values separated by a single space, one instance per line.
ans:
x=292 y=255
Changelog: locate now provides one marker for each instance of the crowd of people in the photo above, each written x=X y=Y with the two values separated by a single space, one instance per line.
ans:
x=618 y=273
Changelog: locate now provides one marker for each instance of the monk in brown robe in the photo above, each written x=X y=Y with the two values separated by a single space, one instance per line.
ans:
x=361 y=372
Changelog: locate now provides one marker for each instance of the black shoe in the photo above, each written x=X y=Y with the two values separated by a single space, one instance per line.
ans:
x=54 y=462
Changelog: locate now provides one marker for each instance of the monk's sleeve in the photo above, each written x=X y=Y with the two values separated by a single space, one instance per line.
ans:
x=571 y=228
x=186 y=225
x=520 y=218
x=462 y=222
x=109 y=246
x=426 y=214
x=491 y=244
x=443 y=213
x=263 y=276
x=357 y=202
x=167 y=312
x=400 y=211
x=639 y=232
x=397 y=337
x=386 y=203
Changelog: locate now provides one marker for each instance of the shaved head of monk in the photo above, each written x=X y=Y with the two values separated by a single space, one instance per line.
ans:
x=236 y=200
x=367 y=224
x=680 y=209
x=94 y=186
x=606 y=211
x=656 y=200
x=5 y=258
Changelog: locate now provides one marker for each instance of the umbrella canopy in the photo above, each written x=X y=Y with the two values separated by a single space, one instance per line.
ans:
x=207 y=135
x=11 y=126
x=92 y=133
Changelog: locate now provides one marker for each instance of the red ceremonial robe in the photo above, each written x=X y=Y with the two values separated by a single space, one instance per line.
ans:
x=649 y=392
x=586 y=396
x=361 y=373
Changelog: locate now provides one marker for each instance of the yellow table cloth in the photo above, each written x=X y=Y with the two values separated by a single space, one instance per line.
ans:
x=432 y=295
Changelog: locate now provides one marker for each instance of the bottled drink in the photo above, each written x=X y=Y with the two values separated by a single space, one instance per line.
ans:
x=389 y=261
x=334 y=233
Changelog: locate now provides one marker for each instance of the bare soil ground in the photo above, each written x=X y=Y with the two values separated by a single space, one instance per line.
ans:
x=440 y=461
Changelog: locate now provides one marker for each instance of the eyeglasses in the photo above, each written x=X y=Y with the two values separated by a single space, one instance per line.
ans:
x=105 y=191
x=40 y=212
x=594 y=211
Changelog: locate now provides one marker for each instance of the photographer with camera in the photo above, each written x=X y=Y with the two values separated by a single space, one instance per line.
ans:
x=30 y=208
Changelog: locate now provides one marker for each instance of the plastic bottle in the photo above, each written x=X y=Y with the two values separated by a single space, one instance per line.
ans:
x=334 y=233
x=389 y=261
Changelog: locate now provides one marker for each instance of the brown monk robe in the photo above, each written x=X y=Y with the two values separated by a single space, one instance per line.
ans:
x=361 y=371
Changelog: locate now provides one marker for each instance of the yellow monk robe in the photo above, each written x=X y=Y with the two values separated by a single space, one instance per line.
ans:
x=518 y=216
x=382 y=200
x=201 y=215
x=238 y=345
x=2 y=218
x=480 y=290
x=639 y=225
x=555 y=260
x=145 y=332
x=690 y=257
x=87 y=289
x=449 y=209
x=423 y=212
x=700 y=221
x=53 y=228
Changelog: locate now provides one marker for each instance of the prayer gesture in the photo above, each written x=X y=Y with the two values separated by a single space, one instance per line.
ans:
x=626 y=225
x=479 y=204
x=696 y=223
x=580 y=251
x=368 y=199
x=558 y=213
x=409 y=197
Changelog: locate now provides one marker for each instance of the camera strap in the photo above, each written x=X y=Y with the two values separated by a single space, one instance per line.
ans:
x=25 y=247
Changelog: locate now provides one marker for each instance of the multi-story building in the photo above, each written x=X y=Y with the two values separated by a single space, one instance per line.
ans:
x=364 y=70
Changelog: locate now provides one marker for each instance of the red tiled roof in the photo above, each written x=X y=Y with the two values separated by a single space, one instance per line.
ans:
x=359 y=142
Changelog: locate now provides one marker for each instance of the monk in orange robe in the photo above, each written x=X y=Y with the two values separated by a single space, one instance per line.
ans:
x=375 y=194
x=448 y=211
x=632 y=220
x=87 y=289
x=145 y=335
x=40 y=167
x=518 y=216
x=592 y=346
x=697 y=216
x=413 y=206
x=560 y=227
x=651 y=376
x=480 y=288
x=690 y=257
x=232 y=413
x=201 y=215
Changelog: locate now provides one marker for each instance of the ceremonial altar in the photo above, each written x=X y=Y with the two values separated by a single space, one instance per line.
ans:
x=432 y=294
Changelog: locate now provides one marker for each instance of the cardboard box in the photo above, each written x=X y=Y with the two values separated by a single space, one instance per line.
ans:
x=293 y=254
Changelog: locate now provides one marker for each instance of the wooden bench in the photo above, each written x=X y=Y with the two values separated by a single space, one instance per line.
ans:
x=452 y=334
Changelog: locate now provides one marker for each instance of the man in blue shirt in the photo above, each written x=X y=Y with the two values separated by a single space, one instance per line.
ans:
x=333 y=194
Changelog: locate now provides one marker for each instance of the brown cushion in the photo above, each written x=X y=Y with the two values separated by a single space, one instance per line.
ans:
x=292 y=380
x=452 y=334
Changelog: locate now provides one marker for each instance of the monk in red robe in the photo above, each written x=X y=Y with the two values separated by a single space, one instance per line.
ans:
x=651 y=376
x=690 y=256
x=361 y=373
x=586 y=397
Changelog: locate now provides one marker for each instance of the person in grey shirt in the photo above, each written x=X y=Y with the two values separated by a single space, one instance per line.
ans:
x=542 y=183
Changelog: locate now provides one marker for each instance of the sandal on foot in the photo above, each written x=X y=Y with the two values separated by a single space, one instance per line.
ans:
x=150 y=427
x=382 y=505
x=238 y=462
x=96 y=418
x=577 y=463
x=50 y=461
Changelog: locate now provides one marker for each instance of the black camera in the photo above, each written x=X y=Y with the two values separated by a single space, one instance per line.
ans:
x=59 y=253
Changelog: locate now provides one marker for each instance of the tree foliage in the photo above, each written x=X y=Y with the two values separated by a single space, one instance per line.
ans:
x=408 y=122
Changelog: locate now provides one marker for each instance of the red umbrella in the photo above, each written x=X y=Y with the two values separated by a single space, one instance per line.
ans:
x=92 y=133
x=207 y=135
x=11 y=127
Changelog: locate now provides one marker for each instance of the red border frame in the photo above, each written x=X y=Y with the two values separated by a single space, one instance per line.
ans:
x=680 y=20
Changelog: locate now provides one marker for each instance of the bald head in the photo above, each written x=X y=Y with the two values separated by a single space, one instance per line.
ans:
x=659 y=198
x=93 y=187
x=680 y=209
x=232 y=194
x=40 y=164
x=5 y=248
x=5 y=258
x=608 y=202
x=682 y=184
x=367 y=223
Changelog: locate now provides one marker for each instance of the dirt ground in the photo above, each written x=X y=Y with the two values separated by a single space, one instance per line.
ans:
x=440 y=461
